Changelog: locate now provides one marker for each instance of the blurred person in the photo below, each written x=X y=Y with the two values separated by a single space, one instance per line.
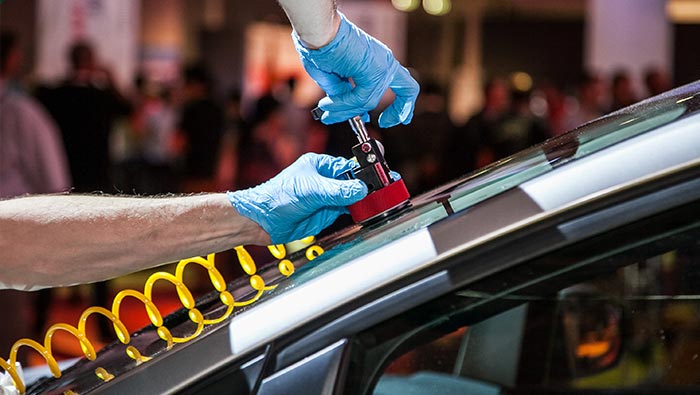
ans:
x=506 y=125
x=311 y=136
x=269 y=147
x=622 y=90
x=32 y=161
x=551 y=101
x=656 y=81
x=297 y=121
x=590 y=95
x=468 y=147
x=418 y=150
x=317 y=136
x=201 y=125
x=128 y=167
x=85 y=106
x=124 y=144
x=235 y=128
x=520 y=129
x=155 y=122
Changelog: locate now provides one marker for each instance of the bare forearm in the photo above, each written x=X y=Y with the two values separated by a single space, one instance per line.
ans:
x=315 y=21
x=62 y=240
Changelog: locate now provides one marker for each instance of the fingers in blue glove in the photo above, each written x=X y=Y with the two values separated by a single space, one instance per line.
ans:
x=321 y=219
x=331 y=83
x=330 y=166
x=302 y=200
x=364 y=97
x=401 y=110
x=340 y=192
x=372 y=67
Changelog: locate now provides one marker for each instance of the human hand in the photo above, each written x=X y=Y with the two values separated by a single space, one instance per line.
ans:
x=302 y=200
x=372 y=67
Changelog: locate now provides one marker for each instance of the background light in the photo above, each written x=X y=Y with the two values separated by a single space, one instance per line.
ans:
x=521 y=81
x=405 y=5
x=683 y=11
x=437 y=7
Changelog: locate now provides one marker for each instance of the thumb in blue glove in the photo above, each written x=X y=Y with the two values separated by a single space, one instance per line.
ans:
x=302 y=200
x=373 y=69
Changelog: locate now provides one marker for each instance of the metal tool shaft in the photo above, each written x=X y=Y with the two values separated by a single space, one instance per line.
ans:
x=359 y=128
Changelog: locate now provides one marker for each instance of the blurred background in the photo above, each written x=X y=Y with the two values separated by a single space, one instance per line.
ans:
x=149 y=97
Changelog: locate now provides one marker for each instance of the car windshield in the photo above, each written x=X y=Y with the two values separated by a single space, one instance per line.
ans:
x=498 y=177
x=355 y=241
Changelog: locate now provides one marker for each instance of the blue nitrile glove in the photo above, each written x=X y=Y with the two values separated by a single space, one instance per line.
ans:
x=302 y=200
x=372 y=67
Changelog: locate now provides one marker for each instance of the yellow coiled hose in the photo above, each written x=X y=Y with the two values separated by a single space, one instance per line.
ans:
x=285 y=266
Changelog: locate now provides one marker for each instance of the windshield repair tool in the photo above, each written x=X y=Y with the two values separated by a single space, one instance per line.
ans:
x=386 y=196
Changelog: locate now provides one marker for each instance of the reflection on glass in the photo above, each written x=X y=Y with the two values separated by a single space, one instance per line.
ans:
x=632 y=319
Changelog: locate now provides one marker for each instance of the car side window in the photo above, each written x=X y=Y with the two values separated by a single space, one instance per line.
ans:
x=618 y=311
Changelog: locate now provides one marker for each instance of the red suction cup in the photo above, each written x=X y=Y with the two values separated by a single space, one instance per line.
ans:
x=379 y=202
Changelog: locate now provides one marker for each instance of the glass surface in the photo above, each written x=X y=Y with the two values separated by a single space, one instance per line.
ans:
x=635 y=315
x=501 y=176
x=426 y=209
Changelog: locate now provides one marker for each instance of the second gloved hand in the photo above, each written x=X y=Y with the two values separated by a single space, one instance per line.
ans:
x=302 y=200
x=372 y=67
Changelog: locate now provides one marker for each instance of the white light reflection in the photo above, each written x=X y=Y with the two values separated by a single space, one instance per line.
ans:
x=685 y=99
x=405 y=5
x=437 y=7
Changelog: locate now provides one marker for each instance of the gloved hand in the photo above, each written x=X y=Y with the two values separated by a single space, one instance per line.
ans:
x=372 y=67
x=302 y=200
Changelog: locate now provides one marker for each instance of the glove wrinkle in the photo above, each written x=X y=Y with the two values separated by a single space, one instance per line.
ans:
x=302 y=200
x=354 y=54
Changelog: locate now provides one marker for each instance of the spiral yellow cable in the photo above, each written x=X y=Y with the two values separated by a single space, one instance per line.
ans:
x=285 y=266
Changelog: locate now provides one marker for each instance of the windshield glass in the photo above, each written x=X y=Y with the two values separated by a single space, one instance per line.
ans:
x=498 y=177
